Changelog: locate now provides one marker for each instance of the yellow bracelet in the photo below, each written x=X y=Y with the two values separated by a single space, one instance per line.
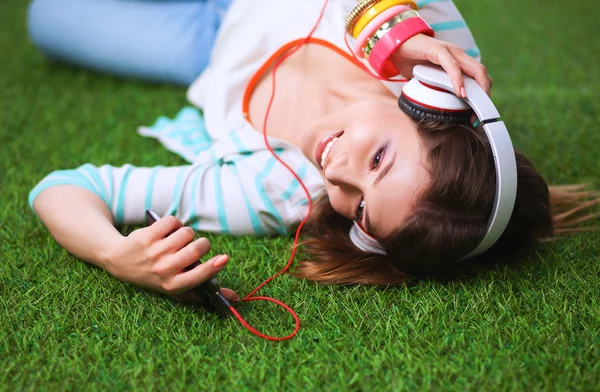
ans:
x=370 y=13
x=357 y=11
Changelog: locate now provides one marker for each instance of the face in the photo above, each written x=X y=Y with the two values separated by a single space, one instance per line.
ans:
x=371 y=159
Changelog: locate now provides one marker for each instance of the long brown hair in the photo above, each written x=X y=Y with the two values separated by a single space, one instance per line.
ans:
x=448 y=220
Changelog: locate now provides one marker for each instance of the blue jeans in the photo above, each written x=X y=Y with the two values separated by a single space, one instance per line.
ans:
x=159 y=40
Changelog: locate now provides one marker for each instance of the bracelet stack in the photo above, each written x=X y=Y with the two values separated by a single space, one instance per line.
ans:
x=379 y=27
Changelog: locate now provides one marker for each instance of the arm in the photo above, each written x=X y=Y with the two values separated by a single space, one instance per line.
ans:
x=78 y=217
x=453 y=47
x=69 y=212
x=80 y=206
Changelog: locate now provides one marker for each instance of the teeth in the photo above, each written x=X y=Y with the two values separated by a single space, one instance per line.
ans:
x=327 y=150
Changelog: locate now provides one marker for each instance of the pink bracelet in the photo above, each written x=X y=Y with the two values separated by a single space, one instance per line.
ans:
x=373 y=25
x=387 y=45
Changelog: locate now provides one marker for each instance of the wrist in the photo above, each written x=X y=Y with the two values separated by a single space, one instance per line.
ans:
x=380 y=28
x=384 y=48
x=108 y=257
x=412 y=49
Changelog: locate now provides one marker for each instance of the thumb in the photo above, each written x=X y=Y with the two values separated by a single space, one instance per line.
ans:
x=230 y=294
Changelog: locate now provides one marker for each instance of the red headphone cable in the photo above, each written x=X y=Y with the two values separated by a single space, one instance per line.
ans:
x=251 y=296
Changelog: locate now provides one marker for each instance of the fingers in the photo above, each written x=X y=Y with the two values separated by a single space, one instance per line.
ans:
x=180 y=238
x=200 y=274
x=177 y=268
x=190 y=253
x=456 y=62
x=164 y=226
x=452 y=58
x=472 y=68
x=452 y=68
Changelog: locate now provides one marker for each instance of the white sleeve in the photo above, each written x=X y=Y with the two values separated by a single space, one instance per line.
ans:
x=224 y=196
x=448 y=24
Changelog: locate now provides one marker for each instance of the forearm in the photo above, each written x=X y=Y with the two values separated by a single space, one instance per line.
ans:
x=80 y=221
x=80 y=208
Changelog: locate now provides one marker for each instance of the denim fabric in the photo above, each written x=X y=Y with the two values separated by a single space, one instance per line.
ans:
x=158 y=40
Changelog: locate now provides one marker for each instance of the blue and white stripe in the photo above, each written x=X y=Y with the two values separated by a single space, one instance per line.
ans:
x=448 y=24
x=244 y=191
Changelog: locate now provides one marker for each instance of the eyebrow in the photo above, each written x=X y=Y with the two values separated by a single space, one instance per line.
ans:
x=381 y=174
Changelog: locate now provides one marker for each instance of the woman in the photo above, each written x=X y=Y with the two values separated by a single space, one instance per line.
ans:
x=424 y=190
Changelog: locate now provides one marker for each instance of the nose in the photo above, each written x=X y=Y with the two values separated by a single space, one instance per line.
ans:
x=340 y=173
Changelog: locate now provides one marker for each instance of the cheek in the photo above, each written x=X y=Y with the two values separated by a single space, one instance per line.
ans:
x=339 y=201
x=368 y=130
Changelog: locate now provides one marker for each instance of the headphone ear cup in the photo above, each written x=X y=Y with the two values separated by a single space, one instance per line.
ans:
x=425 y=114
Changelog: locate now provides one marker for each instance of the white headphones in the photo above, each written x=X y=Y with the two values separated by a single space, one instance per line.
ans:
x=430 y=95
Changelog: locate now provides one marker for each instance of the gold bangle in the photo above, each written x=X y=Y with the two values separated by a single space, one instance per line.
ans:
x=385 y=28
x=357 y=12
x=369 y=14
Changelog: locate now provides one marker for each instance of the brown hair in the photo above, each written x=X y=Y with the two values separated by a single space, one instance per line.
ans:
x=448 y=220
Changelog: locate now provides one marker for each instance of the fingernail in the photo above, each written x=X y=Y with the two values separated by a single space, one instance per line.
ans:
x=221 y=261
x=463 y=93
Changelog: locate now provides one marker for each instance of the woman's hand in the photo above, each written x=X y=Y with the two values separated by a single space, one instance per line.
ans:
x=156 y=257
x=422 y=49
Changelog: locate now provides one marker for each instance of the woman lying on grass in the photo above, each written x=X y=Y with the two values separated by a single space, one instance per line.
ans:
x=423 y=189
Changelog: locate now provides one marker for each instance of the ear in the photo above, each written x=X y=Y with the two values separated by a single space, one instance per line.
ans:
x=423 y=102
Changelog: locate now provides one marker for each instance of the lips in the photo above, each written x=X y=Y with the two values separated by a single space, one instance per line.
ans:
x=323 y=145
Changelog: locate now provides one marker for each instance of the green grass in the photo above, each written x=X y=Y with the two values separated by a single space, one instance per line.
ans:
x=67 y=326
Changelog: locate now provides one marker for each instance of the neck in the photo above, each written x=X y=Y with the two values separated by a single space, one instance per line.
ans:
x=337 y=97
x=311 y=84
x=321 y=98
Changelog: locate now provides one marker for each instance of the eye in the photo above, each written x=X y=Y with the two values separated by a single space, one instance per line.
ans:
x=378 y=157
x=359 y=210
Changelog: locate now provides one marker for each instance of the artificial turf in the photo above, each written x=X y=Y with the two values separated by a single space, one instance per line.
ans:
x=67 y=326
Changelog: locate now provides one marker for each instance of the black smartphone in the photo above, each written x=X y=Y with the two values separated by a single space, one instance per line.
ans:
x=209 y=291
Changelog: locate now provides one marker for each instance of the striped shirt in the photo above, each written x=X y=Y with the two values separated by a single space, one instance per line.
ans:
x=233 y=184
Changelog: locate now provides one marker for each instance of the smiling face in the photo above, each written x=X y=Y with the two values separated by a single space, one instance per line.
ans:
x=372 y=162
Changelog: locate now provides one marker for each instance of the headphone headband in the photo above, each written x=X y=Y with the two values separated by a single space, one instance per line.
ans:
x=435 y=78
x=502 y=149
